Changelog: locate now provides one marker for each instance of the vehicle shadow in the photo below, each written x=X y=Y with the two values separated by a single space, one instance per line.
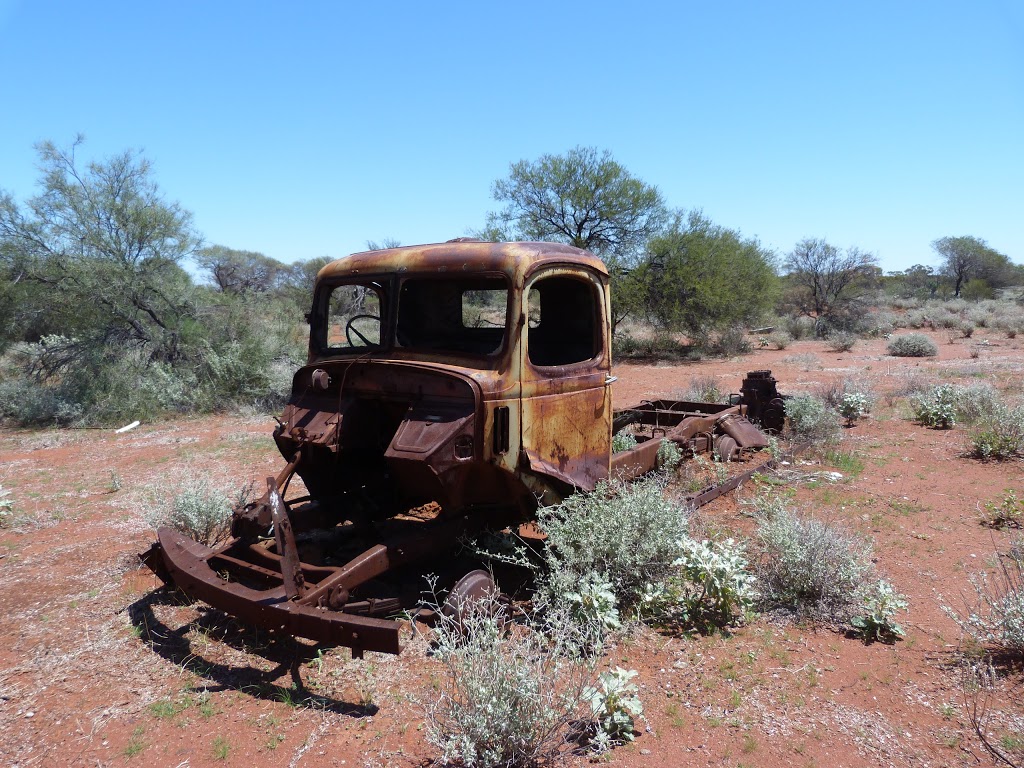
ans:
x=285 y=653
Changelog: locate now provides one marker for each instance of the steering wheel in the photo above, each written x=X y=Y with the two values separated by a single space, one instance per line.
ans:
x=351 y=329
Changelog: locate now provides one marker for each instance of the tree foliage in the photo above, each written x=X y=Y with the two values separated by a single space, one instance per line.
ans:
x=106 y=248
x=699 y=276
x=827 y=283
x=583 y=198
x=240 y=272
x=970 y=258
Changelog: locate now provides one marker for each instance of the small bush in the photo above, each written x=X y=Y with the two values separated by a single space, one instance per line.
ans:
x=812 y=567
x=703 y=389
x=669 y=456
x=841 y=342
x=912 y=345
x=730 y=342
x=623 y=441
x=1006 y=513
x=6 y=508
x=629 y=532
x=810 y=420
x=613 y=707
x=994 y=615
x=510 y=694
x=999 y=435
x=938 y=408
x=799 y=327
x=780 y=339
x=880 y=602
x=853 y=406
x=199 y=511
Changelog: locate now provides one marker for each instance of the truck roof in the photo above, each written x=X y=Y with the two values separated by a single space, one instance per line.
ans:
x=514 y=259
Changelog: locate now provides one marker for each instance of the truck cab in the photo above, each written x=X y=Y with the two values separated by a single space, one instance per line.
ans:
x=464 y=373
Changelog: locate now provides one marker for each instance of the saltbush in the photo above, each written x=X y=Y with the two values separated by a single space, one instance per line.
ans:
x=198 y=510
x=810 y=420
x=853 y=406
x=623 y=441
x=510 y=694
x=629 y=532
x=810 y=566
x=841 y=341
x=993 y=616
x=912 y=345
x=999 y=434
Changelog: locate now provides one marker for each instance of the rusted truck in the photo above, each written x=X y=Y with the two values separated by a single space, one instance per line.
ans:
x=450 y=389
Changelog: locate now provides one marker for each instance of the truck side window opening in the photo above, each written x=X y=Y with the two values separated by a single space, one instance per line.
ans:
x=353 y=316
x=562 y=326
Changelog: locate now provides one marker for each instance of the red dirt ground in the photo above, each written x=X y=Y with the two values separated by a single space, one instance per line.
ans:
x=96 y=668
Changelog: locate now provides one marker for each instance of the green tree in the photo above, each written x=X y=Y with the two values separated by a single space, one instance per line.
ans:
x=107 y=248
x=239 y=272
x=826 y=283
x=700 y=277
x=586 y=199
x=970 y=258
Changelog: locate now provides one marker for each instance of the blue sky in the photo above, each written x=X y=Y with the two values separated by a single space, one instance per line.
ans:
x=306 y=129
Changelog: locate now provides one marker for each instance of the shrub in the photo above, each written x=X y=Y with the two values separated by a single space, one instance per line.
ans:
x=853 y=406
x=780 y=339
x=799 y=327
x=879 y=603
x=669 y=455
x=594 y=609
x=629 y=532
x=999 y=435
x=715 y=584
x=198 y=510
x=623 y=441
x=994 y=615
x=810 y=420
x=703 y=389
x=912 y=345
x=1007 y=513
x=812 y=567
x=510 y=694
x=841 y=342
x=938 y=408
x=6 y=508
x=613 y=707
x=732 y=341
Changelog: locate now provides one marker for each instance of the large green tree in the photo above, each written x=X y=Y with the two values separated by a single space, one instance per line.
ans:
x=106 y=247
x=588 y=200
x=970 y=258
x=583 y=198
x=826 y=283
x=699 y=277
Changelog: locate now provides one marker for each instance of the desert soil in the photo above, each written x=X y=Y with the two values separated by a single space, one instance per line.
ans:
x=99 y=667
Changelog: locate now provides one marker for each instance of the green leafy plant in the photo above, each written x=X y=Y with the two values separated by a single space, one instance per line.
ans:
x=1006 y=513
x=614 y=705
x=623 y=441
x=715 y=584
x=594 y=608
x=853 y=406
x=912 y=345
x=999 y=435
x=938 y=407
x=880 y=602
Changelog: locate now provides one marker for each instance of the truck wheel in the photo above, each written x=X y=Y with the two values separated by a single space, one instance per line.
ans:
x=726 y=448
x=474 y=591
